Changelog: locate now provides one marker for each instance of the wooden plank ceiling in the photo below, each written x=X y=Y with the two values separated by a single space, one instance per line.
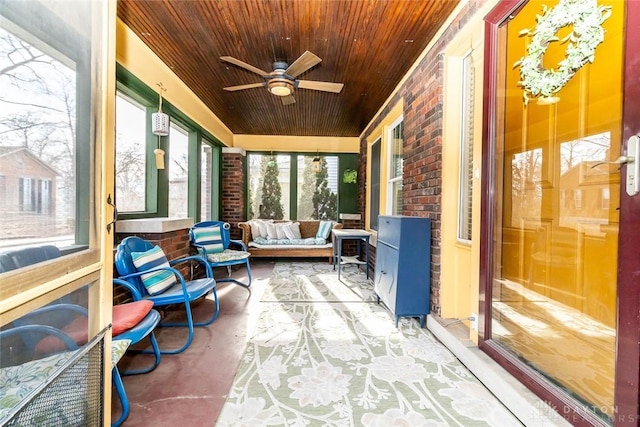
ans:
x=366 y=44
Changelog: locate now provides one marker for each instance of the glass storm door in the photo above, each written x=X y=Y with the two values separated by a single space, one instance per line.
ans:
x=560 y=239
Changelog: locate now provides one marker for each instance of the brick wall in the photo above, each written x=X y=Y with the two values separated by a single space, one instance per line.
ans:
x=422 y=150
x=232 y=195
x=350 y=247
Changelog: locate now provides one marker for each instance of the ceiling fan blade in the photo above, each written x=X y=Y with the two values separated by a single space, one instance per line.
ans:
x=241 y=87
x=287 y=100
x=244 y=65
x=302 y=64
x=324 y=86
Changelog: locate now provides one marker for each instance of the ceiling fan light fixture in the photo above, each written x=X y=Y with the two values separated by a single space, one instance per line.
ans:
x=280 y=87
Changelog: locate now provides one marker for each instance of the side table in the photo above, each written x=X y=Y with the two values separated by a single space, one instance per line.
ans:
x=347 y=234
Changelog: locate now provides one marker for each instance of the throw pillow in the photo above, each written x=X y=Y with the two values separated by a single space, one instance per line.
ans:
x=157 y=281
x=281 y=230
x=210 y=238
x=324 y=229
x=292 y=230
x=126 y=316
x=262 y=225
x=272 y=232
x=255 y=229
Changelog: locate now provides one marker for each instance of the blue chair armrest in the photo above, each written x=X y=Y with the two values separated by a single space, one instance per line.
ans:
x=239 y=243
x=57 y=307
x=43 y=330
x=46 y=315
x=135 y=294
x=197 y=258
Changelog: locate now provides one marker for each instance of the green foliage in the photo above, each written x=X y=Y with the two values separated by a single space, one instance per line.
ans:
x=305 y=198
x=325 y=202
x=271 y=201
x=350 y=176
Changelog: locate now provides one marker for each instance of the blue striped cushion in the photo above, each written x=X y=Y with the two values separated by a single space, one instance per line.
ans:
x=157 y=281
x=210 y=238
x=324 y=229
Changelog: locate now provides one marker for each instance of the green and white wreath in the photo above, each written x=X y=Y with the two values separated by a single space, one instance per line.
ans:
x=586 y=17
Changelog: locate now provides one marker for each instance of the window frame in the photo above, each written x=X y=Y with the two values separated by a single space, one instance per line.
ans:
x=157 y=180
x=345 y=204
x=382 y=132
x=375 y=183
x=135 y=99
x=464 y=218
x=392 y=179
x=81 y=265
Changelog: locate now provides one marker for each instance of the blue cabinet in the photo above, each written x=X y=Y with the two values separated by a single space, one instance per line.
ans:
x=402 y=277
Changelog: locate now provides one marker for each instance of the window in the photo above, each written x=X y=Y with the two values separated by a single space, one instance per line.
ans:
x=130 y=154
x=178 y=170
x=577 y=199
x=206 y=181
x=465 y=179
x=374 y=199
x=605 y=198
x=44 y=149
x=188 y=184
x=317 y=191
x=395 y=168
x=269 y=186
x=52 y=95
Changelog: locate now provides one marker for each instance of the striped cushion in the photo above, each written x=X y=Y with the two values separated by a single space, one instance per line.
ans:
x=157 y=281
x=210 y=238
x=324 y=229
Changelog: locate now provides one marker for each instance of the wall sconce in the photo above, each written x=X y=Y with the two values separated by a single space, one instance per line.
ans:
x=317 y=166
x=160 y=127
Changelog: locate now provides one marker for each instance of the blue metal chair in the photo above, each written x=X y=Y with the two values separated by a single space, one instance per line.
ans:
x=41 y=320
x=34 y=333
x=213 y=241
x=182 y=292
x=62 y=317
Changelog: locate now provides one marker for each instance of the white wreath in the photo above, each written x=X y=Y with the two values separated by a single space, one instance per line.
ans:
x=587 y=18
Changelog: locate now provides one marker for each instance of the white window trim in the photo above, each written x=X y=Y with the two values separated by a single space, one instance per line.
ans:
x=369 y=195
x=466 y=133
x=391 y=181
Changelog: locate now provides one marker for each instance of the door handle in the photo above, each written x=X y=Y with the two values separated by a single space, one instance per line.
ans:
x=632 y=160
x=633 y=165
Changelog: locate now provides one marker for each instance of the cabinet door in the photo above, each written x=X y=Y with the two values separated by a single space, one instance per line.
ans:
x=389 y=230
x=386 y=275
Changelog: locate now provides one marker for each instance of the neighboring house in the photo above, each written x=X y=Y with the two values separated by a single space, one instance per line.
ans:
x=27 y=184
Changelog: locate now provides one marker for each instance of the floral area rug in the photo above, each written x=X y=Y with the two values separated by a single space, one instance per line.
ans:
x=318 y=282
x=316 y=359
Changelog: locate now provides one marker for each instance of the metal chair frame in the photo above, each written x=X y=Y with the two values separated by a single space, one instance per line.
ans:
x=183 y=292
x=227 y=242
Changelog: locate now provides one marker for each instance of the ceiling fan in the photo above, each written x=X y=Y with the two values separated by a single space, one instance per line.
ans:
x=282 y=80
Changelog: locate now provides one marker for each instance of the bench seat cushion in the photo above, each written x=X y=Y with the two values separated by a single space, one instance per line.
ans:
x=310 y=241
x=289 y=246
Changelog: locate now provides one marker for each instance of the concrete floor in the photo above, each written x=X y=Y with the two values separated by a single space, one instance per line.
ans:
x=191 y=387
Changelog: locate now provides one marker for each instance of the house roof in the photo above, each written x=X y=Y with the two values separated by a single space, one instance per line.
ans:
x=12 y=150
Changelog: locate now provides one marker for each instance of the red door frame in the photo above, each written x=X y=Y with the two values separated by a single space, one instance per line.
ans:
x=627 y=376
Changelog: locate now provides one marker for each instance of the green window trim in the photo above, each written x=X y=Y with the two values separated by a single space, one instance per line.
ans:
x=157 y=181
x=347 y=193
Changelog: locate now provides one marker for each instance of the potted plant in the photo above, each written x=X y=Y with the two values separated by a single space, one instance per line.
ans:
x=350 y=176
